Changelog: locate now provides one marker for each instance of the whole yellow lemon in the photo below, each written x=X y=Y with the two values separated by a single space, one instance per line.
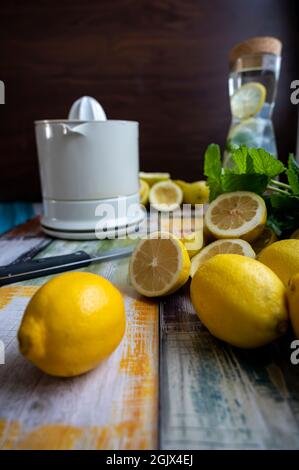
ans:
x=240 y=300
x=293 y=302
x=194 y=193
x=71 y=323
x=283 y=258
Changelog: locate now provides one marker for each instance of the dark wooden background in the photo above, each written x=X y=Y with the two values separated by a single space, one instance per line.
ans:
x=161 y=62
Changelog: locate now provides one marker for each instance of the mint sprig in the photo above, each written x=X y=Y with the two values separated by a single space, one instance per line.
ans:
x=264 y=163
x=213 y=170
x=244 y=182
x=255 y=170
x=252 y=170
x=293 y=174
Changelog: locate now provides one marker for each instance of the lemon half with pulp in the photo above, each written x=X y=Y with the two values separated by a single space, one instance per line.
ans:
x=232 y=246
x=166 y=196
x=240 y=214
x=159 y=265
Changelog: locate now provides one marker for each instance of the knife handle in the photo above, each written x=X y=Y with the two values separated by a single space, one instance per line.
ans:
x=41 y=267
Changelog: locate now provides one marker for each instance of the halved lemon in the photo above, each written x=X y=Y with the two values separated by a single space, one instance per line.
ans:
x=166 y=196
x=248 y=100
x=240 y=214
x=143 y=192
x=231 y=246
x=266 y=238
x=193 y=242
x=190 y=232
x=152 y=178
x=159 y=265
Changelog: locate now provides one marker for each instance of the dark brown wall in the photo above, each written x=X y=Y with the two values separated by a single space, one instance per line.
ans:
x=161 y=62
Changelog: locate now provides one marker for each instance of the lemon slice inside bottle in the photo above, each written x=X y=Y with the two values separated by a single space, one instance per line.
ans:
x=248 y=100
x=249 y=132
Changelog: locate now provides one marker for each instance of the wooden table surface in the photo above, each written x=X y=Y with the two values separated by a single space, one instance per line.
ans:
x=169 y=385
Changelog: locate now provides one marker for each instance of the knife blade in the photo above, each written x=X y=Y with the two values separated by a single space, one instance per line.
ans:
x=23 y=271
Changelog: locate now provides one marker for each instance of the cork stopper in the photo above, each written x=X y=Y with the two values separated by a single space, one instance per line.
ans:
x=256 y=45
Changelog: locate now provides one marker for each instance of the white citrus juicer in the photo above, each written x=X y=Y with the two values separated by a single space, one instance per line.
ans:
x=89 y=173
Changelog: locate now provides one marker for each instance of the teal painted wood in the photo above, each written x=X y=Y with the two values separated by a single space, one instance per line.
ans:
x=14 y=213
x=213 y=396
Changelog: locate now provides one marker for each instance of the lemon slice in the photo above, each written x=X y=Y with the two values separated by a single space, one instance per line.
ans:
x=152 y=178
x=266 y=238
x=159 y=265
x=240 y=214
x=166 y=196
x=144 y=190
x=249 y=132
x=248 y=100
x=230 y=246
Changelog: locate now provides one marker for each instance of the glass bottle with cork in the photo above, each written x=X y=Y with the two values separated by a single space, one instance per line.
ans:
x=254 y=72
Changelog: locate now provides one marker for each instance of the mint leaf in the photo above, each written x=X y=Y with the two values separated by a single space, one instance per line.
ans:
x=242 y=160
x=264 y=163
x=213 y=170
x=212 y=161
x=293 y=174
x=239 y=157
x=284 y=202
x=246 y=182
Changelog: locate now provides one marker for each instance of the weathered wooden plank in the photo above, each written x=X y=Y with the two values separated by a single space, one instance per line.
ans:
x=23 y=242
x=30 y=229
x=112 y=407
x=214 y=396
x=17 y=250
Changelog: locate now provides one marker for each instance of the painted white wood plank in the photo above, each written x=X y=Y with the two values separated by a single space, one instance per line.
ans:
x=10 y=250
